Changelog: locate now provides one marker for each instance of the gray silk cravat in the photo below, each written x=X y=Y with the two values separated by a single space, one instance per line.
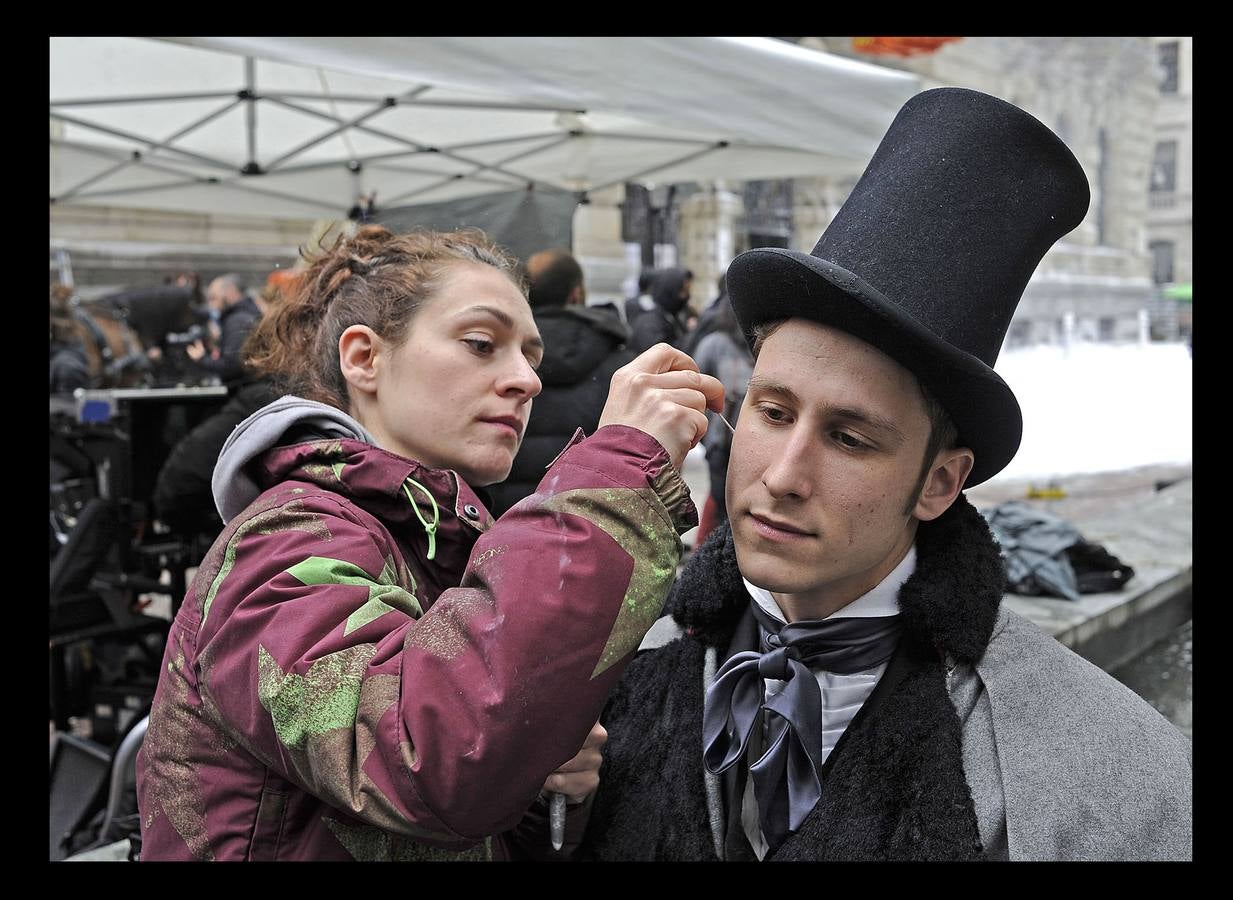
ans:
x=786 y=778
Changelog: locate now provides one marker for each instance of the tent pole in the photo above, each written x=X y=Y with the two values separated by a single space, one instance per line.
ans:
x=556 y=141
x=115 y=132
x=127 y=157
x=321 y=138
x=511 y=107
x=246 y=187
x=151 y=98
x=77 y=188
x=118 y=192
x=718 y=145
x=399 y=139
x=377 y=157
x=249 y=187
x=137 y=155
x=497 y=142
x=406 y=170
x=424 y=190
x=250 y=112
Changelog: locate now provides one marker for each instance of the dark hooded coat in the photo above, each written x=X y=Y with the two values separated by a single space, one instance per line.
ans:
x=663 y=323
x=984 y=739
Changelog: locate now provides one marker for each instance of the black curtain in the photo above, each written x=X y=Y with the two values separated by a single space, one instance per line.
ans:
x=523 y=221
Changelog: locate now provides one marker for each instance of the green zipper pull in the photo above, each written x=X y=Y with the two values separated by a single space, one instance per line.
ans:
x=436 y=514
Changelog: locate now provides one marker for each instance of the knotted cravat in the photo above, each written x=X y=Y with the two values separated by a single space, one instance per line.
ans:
x=786 y=778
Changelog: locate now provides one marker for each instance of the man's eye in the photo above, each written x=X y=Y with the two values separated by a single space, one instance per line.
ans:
x=849 y=441
x=773 y=413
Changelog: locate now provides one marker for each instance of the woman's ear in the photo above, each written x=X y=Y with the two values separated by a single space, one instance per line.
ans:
x=358 y=350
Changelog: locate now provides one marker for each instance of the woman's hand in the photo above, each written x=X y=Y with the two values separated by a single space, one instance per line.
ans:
x=662 y=393
x=579 y=777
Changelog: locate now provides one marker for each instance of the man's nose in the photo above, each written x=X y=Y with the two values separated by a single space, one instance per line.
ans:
x=790 y=470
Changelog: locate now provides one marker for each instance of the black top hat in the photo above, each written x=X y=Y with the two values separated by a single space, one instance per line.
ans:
x=928 y=257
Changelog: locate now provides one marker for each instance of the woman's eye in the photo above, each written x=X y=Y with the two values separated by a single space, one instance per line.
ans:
x=479 y=345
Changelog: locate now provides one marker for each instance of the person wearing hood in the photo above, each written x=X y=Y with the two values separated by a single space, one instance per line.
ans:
x=366 y=665
x=583 y=347
x=662 y=322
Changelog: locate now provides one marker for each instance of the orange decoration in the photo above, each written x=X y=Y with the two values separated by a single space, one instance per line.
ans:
x=282 y=278
x=899 y=46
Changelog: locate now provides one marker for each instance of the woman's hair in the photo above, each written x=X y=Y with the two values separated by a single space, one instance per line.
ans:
x=374 y=278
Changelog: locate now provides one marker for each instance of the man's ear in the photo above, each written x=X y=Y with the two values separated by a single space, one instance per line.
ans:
x=359 y=348
x=945 y=480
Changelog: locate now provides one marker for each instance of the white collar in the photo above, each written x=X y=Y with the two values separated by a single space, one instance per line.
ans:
x=881 y=600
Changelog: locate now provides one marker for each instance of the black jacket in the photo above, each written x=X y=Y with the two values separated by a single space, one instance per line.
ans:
x=893 y=788
x=236 y=322
x=183 y=498
x=663 y=323
x=583 y=347
x=69 y=369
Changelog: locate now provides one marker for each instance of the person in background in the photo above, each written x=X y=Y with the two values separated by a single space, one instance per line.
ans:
x=641 y=302
x=236 y=315
x=189 y=281
x=663 y=322
x=583 y=347
x=69 y=366
x=366 y=665
x=182 y=497
x=706 y=320
x=722 y=352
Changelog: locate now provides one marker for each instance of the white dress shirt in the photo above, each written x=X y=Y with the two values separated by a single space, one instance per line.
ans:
x=842 y=695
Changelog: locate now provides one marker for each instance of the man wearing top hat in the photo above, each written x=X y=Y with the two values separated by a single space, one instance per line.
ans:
x=836 y=678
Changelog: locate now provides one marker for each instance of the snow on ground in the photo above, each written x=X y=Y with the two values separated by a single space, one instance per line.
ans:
x=1100 y=407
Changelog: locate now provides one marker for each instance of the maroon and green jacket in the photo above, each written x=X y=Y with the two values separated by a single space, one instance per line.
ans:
x=341 y=684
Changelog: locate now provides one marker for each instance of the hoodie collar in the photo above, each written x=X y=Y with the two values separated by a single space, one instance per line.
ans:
x=336 y=452
x=233 y=484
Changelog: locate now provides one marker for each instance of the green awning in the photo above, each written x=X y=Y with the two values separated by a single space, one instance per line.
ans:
x=1180 y=292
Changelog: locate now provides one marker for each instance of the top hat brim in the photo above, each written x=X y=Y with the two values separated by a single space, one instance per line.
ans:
x=771 y=283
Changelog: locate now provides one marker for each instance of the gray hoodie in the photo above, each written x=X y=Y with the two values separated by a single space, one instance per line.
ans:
x=233 y=488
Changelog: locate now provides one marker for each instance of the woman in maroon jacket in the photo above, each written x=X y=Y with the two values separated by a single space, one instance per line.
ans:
x=366 y=665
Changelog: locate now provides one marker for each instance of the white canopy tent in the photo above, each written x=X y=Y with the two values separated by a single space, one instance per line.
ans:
x=298 y=127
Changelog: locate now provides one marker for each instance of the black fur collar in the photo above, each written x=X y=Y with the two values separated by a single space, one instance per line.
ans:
x=950 y=602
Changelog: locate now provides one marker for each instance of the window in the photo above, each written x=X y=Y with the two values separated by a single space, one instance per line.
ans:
x=648 y=218
x=1107 y=326
x=1166 y=64
x=635 y=212
x=1164 y=167
x=768 y=212
x=1162 y=261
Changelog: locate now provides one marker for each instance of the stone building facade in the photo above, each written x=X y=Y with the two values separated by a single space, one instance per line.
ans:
x=1100 y=95
x=1170 y=216
x=104 y=249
